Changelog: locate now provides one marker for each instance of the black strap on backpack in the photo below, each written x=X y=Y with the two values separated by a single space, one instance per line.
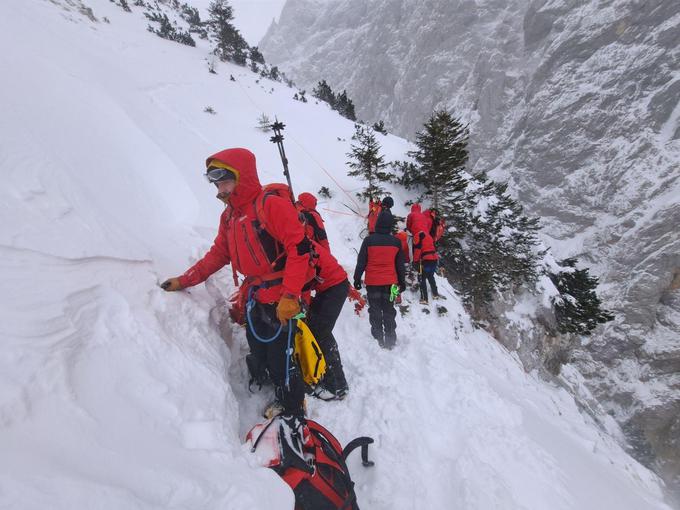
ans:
x=356 y=443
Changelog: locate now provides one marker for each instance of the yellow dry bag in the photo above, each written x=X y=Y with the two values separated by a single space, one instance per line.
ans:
x=308 y=355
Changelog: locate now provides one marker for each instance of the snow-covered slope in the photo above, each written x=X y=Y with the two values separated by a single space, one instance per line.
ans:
x=575 y=104
x=114 y=394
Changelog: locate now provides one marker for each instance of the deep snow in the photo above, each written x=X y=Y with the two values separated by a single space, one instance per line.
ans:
x=114 y=394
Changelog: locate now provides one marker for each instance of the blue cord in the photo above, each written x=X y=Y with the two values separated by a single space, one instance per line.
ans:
x=249 y=306
x=289 y=353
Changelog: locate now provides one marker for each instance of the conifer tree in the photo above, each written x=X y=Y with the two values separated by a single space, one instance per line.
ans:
x=167 y=30
x=230 y=45
x=366 y=161
x=491 y=245
x=323 y=92
x=441 y=155
x=193 y=18
x=256 y=55
x=345 y=106
x=379 y=127
x=578 y=309
x=405 y=173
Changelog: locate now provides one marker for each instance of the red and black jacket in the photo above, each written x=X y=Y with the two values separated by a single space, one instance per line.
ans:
x=381 y=256
x=423 y=248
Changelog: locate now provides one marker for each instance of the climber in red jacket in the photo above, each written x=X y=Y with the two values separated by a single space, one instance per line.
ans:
x=426 y=257
x=417 y=220
x=374 y=209
x=402 y=235
x=436 y=224
x=314 y=225
x=382 y=259
x=261 y=236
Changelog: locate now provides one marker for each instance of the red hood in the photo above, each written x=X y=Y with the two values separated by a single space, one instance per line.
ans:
x=248 y=186
x=415 y=208
x=307 y=200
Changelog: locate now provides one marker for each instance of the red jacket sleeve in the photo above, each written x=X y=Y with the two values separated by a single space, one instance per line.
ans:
x=284 y=225
x=216 y=258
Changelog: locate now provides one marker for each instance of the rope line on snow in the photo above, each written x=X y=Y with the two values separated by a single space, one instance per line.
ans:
x=339 y=212
x=258 y=108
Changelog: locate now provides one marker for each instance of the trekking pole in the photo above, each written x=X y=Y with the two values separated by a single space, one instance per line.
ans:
x=278 y=140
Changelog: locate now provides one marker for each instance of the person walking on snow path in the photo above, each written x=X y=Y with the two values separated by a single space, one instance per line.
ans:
x=326 y=305
x=425 y=256
x=261 y=236
x=324 y=310
x=382 y=259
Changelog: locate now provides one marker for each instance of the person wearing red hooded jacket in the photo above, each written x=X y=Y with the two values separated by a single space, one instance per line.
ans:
x=426 y=257
x=417 y=221
x=327 y=303
x=274 y=255
x=314 y=225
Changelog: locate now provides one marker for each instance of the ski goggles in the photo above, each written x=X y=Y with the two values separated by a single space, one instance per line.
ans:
x=217 y=174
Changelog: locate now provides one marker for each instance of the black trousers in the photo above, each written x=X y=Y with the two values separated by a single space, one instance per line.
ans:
x=272 y=357
x=323 y=313
x=427 y=275
x=381 y=314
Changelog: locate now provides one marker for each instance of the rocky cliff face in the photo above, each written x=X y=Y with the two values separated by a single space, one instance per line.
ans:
x=576 y=104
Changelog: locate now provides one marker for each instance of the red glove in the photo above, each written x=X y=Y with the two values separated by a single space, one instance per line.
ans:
x=355 y=296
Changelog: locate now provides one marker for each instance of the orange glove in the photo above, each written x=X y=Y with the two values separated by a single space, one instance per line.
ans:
x=171 y=284
x=288 y=307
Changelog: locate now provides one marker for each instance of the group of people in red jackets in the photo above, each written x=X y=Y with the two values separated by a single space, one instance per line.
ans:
x=281 y=261
x=384 y=256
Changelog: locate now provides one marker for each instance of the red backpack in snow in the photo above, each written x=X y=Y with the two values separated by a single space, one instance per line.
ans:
x=310 y=460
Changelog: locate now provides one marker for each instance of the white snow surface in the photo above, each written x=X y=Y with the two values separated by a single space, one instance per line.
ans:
x=117 y=395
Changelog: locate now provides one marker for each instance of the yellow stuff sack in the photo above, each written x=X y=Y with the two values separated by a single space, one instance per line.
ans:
x=308 y=355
